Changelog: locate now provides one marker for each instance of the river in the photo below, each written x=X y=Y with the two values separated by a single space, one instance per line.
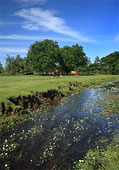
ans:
x=61 y=135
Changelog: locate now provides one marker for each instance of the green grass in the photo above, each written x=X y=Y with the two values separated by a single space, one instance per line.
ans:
x=23 y=85
x=9 y=121
x=111 y=106
x=105 y=159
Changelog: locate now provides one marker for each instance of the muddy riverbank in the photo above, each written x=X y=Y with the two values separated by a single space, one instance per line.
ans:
x=26 y=104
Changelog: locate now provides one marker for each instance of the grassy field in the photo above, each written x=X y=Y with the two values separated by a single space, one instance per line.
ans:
x=23 y=85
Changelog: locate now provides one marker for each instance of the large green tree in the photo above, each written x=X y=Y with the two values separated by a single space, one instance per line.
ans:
x=110 y=63
x=43 y=56
x=72 y=58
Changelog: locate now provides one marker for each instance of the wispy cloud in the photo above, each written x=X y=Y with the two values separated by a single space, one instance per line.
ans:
x=116 y=39
x=13 y=50
x=35 y=38
x=11 y=43
x=30 y=26
x=31 y=2
x=37 y=19
x=8 y=23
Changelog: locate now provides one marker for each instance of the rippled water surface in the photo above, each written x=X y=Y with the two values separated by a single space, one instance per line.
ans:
x=60 y=136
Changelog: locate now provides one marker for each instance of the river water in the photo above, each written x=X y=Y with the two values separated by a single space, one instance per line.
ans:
x=61 y=135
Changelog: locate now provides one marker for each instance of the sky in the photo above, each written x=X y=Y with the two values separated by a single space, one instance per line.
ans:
x=93 y=24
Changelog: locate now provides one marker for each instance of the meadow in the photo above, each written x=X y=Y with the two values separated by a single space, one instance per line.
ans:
x=24 y=85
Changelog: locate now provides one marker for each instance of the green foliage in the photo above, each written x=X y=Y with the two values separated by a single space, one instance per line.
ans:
x=14 y=65
x=1 y=68
x=111 y=106
x=110 y=63
x=9 y=64
x=46 y=56
x=107 y=159
x=72 y=57
x=43 y=56
x=96 y=61
x=19 y=64
x=8 y=122
x=96 y=64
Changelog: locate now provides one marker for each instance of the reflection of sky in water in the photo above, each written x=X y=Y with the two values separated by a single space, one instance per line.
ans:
x=60 y=135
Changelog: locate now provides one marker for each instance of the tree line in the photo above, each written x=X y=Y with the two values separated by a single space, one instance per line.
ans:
x=46 y=56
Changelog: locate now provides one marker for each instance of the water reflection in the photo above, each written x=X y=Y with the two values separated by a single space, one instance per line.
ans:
x=59 y=136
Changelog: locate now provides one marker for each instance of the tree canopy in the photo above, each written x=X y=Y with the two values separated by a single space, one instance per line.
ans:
x=1 y=68
x=43 y=56
x=46 y=56
x=71 y=58
x=14 y=64
x=110 y=63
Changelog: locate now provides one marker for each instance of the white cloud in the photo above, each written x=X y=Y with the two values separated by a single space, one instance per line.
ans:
x=32 y=2
x=30 y=26
x=35 y=38
x=37 y=18
x=11 y=43
x=13 y=50
x=116 y=39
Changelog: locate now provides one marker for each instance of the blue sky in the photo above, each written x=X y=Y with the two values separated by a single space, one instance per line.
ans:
x=94 y=24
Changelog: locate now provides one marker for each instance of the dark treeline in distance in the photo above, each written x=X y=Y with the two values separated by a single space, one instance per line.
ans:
x=46 y=56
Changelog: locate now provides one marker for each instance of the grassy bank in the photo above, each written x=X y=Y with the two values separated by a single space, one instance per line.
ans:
x=24 y=85
x=101 y=159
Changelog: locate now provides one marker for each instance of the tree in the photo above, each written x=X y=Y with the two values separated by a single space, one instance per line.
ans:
x=26 y=65
x=14 y=65
x=19 y=64
x=10 y=65
x=110 y=63
x=88 y=61
x=43 y=56
x=71 y=58
x=66 y=59
x=92 y=68
x=1 y=68
x=117 y=67
x=88 y=65
x=96 y=64
x=97 y=60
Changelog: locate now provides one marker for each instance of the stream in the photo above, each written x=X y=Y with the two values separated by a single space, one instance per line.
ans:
x=58 y=137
